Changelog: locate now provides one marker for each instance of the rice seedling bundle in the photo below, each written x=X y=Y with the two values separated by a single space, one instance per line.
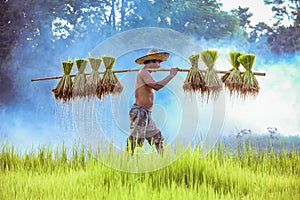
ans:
x=194 y=80
x=110 y=83
x=250 y=83
x=233 y=80
x=212 y=80
x=63 y=90
x=78 y=89
x=94 y=79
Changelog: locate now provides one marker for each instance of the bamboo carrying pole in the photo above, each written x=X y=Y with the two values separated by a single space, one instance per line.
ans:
x=137 y=69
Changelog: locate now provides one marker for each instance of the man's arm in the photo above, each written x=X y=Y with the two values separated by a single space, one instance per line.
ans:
x=156 y=85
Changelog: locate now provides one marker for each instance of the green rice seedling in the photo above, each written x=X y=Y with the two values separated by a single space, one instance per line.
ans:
x=110 y=83
x=233 y=80
x=78 y=88
x=194 y=81
x=94 y=79
x=217 y=175
x=63 y=90
x=250 y=84
x=212 y=81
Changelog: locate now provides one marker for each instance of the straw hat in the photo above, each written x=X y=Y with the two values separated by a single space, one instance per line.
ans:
x=153 y=54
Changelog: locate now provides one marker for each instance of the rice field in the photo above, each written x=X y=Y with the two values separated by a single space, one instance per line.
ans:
x=75 y=173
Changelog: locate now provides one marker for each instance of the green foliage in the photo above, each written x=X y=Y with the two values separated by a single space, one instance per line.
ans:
x=234 y=59
x=250 y=83
x=108 y=61
x=218 y=175
x=94 y=79
x=209 y=57
x=233 y=80
x=247 y=60
x=78 y=87
x=194 y=80
x=110 y=83
x=63 y=90
x=212 y=81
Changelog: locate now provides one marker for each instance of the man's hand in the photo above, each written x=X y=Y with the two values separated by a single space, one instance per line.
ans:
x=174 y=71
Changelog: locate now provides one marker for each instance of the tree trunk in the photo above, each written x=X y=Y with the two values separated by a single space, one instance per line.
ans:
x=122 y=14
x=113 y=15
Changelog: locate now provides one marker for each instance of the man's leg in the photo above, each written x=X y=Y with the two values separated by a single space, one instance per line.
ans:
x=132 y=142
x=157 y=140
x=138 y=123
x=159 y=147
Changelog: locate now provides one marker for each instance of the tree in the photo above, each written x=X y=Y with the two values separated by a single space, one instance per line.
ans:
x=243 y=15
x=285 y=39
x=260 y=30
x=199 y=19
x=289 y=9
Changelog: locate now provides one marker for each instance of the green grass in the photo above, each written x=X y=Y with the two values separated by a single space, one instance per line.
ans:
x=77 y=174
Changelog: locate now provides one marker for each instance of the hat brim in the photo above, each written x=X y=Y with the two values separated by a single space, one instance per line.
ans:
x=163 y=56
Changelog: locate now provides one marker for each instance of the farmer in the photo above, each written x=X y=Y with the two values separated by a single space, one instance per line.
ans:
x=141 y=124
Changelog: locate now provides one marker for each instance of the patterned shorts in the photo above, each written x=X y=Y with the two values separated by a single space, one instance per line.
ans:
x=142 y=126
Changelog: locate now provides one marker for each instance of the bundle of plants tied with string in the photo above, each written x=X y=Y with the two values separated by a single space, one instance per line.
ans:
x=63 y=90
x=250 y=84
x=110 y=83
x=213 y=83
x=94 y=79
x=194 y=81
x=233 y=79
x=78 y=88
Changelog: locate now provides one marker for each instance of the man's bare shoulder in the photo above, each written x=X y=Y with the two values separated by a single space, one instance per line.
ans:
x=145 y=77
x=143 y=72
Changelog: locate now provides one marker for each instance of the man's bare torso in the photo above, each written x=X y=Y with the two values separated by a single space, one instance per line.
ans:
x=144 y=95
x=145 y=85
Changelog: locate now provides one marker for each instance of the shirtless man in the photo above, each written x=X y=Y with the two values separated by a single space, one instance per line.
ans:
x=141 y=124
